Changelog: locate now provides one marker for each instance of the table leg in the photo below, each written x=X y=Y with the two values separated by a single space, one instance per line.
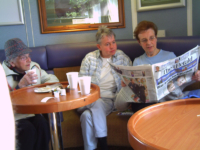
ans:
x=55 y=131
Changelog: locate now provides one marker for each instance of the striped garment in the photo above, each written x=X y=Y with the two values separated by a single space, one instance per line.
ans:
x=92 y=64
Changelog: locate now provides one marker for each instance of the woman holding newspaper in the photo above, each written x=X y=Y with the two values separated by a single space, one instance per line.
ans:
x=146 y=35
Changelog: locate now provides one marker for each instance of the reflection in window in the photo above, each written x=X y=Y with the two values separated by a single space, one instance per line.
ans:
x=69 y=12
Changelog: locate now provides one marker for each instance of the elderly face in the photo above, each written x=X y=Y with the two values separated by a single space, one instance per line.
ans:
x=181 y=80
x=148 y=41
x=21 y=63
x=171 y=87
x=107 y=46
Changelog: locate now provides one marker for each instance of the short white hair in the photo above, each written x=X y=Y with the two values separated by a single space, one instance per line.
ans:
x=103 y=31
x=8 y=63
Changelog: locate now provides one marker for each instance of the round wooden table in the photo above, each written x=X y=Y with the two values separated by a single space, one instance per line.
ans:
x=26 y=101
x=173 y=125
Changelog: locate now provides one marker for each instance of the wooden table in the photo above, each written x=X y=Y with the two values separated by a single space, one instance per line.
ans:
x=172 y=125
x=26 y=101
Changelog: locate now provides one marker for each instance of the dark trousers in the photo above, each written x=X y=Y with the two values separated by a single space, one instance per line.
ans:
x=138 y=106
x=33 y=133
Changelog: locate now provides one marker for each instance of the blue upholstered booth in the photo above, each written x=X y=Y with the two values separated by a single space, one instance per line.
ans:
x=69 y=55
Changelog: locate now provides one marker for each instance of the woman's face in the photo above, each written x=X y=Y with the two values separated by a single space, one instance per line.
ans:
x=148 y=41
x=21 y=63
x=107 y=46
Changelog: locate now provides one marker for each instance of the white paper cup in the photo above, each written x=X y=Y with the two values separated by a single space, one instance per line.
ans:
x=32 y=70
x=56 y=94
x=84 y=84
x=72 y=78
x=62 y=92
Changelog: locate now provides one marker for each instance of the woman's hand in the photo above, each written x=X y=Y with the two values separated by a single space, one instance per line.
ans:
x=27 y=79
x=196 y=76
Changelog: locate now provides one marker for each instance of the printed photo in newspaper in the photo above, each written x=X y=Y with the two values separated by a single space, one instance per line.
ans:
x=174 y=75
x=140 y=86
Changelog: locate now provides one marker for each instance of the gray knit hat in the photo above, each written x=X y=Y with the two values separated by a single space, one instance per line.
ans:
x=14 y=48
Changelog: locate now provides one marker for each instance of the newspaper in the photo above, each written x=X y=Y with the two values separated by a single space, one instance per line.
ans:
x=150 y=83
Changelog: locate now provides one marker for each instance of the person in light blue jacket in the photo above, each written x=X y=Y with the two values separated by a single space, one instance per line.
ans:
x=146 y=35
x=93 y=116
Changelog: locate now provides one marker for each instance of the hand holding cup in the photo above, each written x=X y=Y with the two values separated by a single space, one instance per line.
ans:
x=32 y=74
x=29 y=78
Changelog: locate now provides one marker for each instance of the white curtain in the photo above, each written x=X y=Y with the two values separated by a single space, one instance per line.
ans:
x=96 y=14
x=113 y=11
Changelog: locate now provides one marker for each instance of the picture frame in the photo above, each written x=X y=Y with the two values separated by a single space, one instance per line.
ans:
x=146 y=5
x=71 y=22
x=14 y=12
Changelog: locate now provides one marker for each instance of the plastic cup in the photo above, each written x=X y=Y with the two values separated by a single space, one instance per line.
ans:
x=32 y=70
x=72 y=78
x=56 y=94
x=62 y=92
x=84 y=84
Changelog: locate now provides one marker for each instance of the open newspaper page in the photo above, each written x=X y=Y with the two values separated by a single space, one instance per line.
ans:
x=175 y=73
x=139 y=80
x=150 y=83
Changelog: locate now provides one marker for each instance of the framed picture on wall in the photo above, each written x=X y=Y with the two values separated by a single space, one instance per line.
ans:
x=146 y=5
x=11 y=12
x=80 y=15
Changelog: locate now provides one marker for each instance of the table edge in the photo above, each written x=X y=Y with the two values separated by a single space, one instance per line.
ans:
x=135 y=139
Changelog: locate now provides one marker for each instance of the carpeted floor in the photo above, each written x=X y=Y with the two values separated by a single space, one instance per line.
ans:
x=110 y=148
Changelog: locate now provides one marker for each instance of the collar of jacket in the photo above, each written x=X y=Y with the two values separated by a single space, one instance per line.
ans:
x=99 y=54
x=9 y=71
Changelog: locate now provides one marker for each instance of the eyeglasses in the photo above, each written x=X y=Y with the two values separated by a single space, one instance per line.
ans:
x=150 y=39
x=24 y=58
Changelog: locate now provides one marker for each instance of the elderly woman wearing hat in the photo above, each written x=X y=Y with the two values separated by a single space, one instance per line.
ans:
x=32 y=130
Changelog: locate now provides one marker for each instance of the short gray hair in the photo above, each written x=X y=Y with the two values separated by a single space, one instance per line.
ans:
x=7 y=62
x=103 y=31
